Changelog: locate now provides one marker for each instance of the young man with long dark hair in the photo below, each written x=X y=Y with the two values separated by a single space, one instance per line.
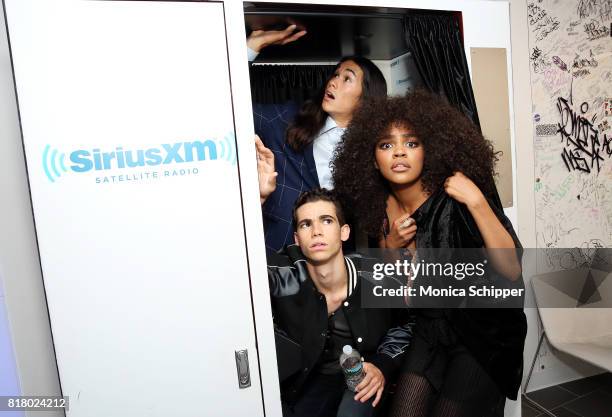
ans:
x=304 y=139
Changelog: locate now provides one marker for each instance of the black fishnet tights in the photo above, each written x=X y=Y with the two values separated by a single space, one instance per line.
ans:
x=415 y=397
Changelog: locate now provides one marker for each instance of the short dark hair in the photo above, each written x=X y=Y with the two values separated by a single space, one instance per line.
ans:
x=318 y=194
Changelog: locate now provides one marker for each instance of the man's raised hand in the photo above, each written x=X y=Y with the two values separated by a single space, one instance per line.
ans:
x=259 y=39
x=265 y=170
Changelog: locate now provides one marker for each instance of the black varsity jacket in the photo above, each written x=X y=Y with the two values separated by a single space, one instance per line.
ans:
x=300 y=312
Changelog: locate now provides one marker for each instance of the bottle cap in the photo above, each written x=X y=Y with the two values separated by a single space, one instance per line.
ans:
x=347 y=349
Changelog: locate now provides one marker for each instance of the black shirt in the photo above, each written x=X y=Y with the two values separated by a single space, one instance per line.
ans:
x=338 y=335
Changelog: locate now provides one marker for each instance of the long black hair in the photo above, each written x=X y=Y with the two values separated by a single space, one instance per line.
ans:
x=311 y=117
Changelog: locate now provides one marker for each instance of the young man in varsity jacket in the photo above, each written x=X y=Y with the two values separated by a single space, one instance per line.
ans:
x=316 y=300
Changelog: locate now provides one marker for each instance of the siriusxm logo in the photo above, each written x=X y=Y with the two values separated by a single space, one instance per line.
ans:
x=87 y=160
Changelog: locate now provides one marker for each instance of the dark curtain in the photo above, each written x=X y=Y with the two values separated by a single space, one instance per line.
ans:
x=277 y=84
x=435 y=42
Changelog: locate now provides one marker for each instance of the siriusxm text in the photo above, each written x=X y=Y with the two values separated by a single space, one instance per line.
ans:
x=181 y=152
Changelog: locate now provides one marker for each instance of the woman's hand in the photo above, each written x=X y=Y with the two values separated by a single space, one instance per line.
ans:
x=265 y=170
x=373 y=383
x=402 y=232
x=463 y=189
x=493 y=232
x=259 y=39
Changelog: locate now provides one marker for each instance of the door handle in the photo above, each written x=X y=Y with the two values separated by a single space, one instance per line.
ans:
x=242 y=366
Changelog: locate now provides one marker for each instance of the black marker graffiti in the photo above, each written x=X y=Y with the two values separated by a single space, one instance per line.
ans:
x=551 y=26
x=605 y=10
x=587 y=8
x=583 y=149
x=595 y=30
x=542 y=24
x=571 y=28
x=581 y=66
x=535 y=13
x=581 y=73
x=601 y=9
x=538 y=60
x=580 y=62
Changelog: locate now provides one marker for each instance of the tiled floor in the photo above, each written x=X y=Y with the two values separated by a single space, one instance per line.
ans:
x=588 y=397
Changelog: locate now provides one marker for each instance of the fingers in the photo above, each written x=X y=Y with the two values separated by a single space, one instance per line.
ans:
x=294 y=37
x=406 y=233
x=406 y=223
x=371 y=384
x=259 y=145
x=273 y=36
x=401 y=219
x=262 y=151
x=259 y=39
x=379 y=394
x=284 y=36
x=287 y=32
x=456 y=179
x=367 y=393
x=366 y=381
x=403 y=230
x=409 y=232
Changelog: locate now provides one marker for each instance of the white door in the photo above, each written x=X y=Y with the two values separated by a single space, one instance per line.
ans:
x=128 y=128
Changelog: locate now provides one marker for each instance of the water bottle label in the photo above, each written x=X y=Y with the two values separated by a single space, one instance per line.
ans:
x=352 y=366
x=355 y=369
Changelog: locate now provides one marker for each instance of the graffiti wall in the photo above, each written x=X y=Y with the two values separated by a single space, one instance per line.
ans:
x=570 y=48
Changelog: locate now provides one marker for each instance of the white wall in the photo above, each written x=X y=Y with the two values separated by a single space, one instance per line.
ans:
x=19 y=264
x=551 y=368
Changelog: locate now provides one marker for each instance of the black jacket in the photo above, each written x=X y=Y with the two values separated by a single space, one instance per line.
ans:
x=495 y=337
x=300 y=312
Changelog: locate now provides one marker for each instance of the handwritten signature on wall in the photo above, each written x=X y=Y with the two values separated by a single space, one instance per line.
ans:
x=584 y=148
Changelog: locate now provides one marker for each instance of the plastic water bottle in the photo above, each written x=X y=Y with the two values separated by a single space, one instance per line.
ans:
x=350 y=362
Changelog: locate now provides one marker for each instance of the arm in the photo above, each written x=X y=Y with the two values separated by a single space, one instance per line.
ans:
x=493 y=232
x=388 y=358
x=283 y=277
x=390 y=353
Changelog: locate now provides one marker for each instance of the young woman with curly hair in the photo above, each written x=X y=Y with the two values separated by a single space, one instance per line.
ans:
x=411 y=169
